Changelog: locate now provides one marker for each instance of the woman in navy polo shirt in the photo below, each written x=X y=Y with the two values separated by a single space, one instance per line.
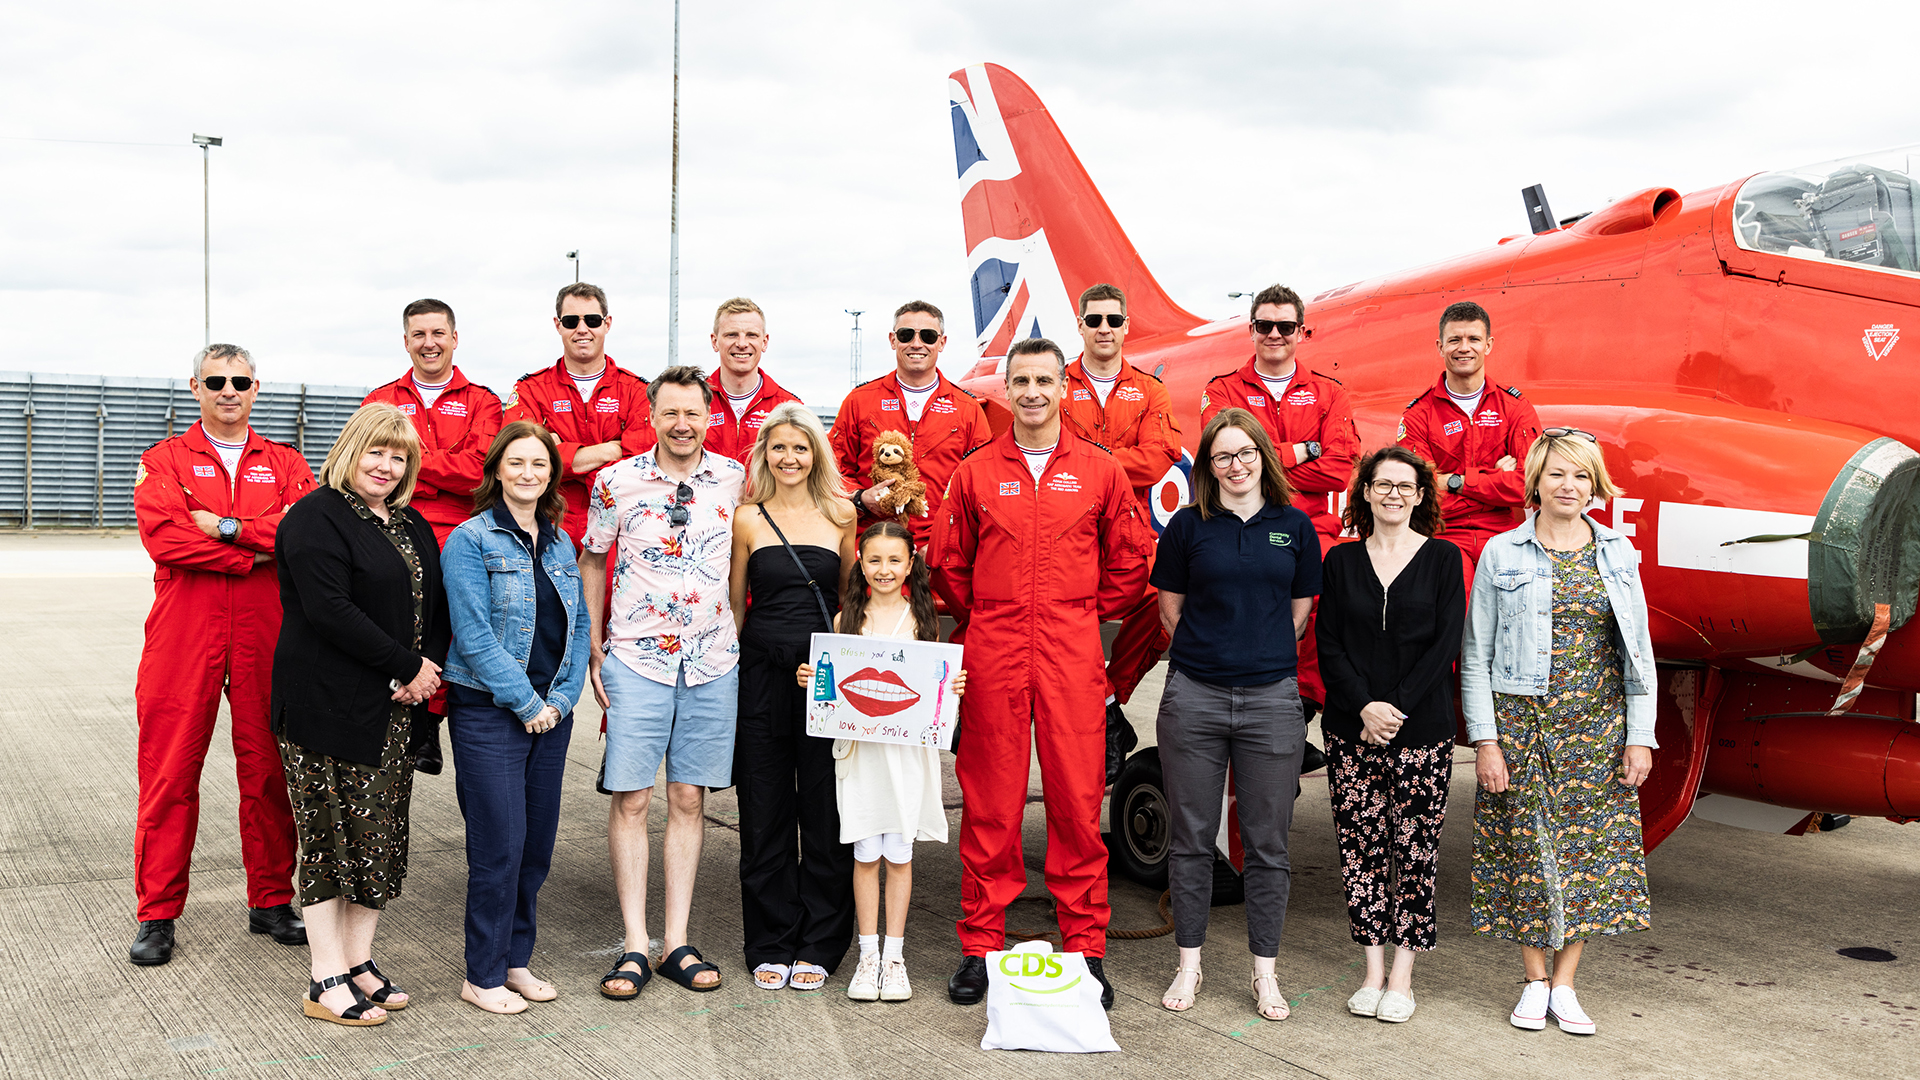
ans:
x=1237 y=572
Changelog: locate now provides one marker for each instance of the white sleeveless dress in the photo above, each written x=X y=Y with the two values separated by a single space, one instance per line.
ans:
x=889 y=787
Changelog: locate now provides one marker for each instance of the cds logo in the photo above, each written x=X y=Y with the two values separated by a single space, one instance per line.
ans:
x=1451 y=427
x=1301 y=397
x=563 y=406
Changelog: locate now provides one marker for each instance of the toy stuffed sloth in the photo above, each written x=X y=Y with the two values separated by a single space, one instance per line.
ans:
x=893 y=461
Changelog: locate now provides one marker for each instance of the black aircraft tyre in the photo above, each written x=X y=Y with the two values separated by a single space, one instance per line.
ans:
x=1141 y=820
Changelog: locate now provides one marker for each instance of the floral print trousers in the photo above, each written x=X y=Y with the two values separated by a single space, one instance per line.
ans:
x=1388 y=805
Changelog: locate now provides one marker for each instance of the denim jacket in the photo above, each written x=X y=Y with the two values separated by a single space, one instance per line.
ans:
x=488 y=573
x=1509 y=639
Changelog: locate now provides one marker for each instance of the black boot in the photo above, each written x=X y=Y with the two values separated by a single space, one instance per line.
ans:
x=279 y=921
x=423 y=742
x=154 y=945
x=1120 y=740
x=1097 y=968
x=969 y=983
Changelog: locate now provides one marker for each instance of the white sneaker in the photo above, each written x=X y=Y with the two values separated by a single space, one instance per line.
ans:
x=1531 y=1013
x=866 y=978
x=893 y=981
x=1566 y=1010
x=1395 y=1007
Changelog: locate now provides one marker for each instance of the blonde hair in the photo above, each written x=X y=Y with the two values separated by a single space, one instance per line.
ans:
x=1581 y=453
x=376 y=425
x=824 y=484
x=739 y=305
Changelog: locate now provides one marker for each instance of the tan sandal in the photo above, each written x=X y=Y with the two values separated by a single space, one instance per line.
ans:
x=507 y=1005
x=1173 y=1002
x=1267 y=1003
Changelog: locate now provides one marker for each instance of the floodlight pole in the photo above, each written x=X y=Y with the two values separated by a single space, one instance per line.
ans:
x=575 y=256
x=854 y=353
x=206 y=144
x=673 y=243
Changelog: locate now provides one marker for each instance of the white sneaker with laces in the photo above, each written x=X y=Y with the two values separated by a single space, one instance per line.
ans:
x=1565 y=1008
x=1531 y=1013
x=866 y=978
x=893 y=981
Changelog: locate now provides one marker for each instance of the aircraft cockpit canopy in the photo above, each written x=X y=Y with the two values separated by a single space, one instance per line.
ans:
x=1858 y=210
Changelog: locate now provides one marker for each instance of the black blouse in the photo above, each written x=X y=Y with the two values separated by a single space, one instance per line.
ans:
x=1395 y=645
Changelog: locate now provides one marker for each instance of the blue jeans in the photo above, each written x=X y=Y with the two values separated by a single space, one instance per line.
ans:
x=508 y=783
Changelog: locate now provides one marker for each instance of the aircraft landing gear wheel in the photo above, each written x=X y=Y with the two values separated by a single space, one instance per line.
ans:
x=1141 y=820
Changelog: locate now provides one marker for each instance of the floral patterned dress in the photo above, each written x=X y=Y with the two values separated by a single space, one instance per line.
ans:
x=352 y=820
x=1557 y=856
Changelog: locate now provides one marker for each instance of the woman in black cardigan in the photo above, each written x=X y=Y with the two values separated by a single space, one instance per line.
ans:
x=1391 y=618
x=363 y=633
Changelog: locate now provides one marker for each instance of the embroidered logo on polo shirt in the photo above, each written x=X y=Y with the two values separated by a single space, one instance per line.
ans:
x=1487 y=418
x=941 y=405
x=1280 y=539
x=889 y=404
x=1011 y=487
x=1301 y=397
x=562 y=406
x=606 y=405
x=407 y=408
x=1129 y=393
x=1081 y=395
x=455 y=407
x=1453 y=427
x=1065 y=481
x=204 y=470
x=259 y=474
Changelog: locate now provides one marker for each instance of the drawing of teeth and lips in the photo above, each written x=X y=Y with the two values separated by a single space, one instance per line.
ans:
x=877 y=693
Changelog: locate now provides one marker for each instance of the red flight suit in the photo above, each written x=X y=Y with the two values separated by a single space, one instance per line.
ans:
x=1137 y=424
x=1502 y=423
x=952 y=426
x=215 y=621
x=618 y=411
x=455 y=436
x=1315 y=409
x=733 y=436
x=1061 y=554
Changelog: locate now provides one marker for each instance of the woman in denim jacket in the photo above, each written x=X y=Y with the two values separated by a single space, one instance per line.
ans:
x=1556 y=680
x=517 y=665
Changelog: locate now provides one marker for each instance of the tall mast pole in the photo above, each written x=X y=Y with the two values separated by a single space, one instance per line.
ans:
x=206 y=143
x=673 y=248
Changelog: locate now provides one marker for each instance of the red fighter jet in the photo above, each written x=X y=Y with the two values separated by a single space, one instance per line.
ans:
x=1736 y=350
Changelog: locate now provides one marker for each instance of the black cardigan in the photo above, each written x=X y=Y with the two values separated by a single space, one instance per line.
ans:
x=346 y=621
x=1407 y=664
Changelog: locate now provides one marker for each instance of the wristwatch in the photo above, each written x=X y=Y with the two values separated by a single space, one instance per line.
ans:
x=1313 y=449
x=1456 y=482
x=229 y=529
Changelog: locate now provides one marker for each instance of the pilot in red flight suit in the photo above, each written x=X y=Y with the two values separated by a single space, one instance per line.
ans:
x=1126 y=410
x=208 y=502
x=743 y=395
x=1310 y=421
x=1050 y=521
x=1476 y=435
x=597 y=410
x=943 y=420
x=456 y=419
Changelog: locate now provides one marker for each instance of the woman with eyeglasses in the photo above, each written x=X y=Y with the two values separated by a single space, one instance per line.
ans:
x=1557 y=682
x=793 y=545
x=1390 y=624
x=516 y=669
x=1237 y=572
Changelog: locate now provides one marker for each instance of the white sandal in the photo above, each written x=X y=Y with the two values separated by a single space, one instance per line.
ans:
x=801 y=967
x=1187 y=997
x=1263 y=1001
x=772 y=976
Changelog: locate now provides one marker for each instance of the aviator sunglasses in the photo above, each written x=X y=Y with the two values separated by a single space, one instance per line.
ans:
x=905 y=334
x=1286 y=327
x=217 y=383
x=1564 y=432
x=677 y=514
x=1113 y=321
x=571 y=322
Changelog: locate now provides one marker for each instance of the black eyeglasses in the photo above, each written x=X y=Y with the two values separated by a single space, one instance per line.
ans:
x=217 y=383
x=1246 y=455
x=1384 y=488
x=677 y=514
x=1114 y=321
x=904 y=335
x=1286 y=327
x=1564 y=432
x=572 y=322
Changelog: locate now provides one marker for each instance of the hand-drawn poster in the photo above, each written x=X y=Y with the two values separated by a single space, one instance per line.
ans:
x=883 y=690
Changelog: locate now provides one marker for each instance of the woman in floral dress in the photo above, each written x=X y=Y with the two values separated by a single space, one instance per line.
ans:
x=1556 y=680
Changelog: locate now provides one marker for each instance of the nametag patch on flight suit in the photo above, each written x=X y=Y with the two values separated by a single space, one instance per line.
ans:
x=1129 y=393
x=563 y=406
x=606 y=405
x=1453 y=427
x=1488 y=418
x=1280 y=539
x=1065 y=481
x=204 y=470
x=941 y=405
x=407 y=408
x=259 y=474
x=1301 y=397
x=1258 y=401
x=1011 y=487
x=455 y=407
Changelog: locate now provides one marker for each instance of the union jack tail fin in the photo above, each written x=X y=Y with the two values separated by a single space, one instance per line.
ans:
x=1038 y=232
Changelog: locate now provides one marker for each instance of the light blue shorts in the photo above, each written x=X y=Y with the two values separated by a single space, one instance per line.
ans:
x=690 y=726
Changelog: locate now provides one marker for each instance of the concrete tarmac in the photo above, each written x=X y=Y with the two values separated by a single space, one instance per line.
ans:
x=1738 y=977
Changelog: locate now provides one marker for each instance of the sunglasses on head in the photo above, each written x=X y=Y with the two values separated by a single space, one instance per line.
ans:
x=217 y=383
x=1564 y=432
x=677 y=513
x=905 y=334
x=1286 y=327
x=1113 y=321
x=572 y=322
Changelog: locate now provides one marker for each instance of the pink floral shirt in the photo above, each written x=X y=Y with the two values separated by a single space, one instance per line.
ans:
x=670 y=609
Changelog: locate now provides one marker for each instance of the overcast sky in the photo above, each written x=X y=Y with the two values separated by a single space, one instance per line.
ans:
x=376 y=153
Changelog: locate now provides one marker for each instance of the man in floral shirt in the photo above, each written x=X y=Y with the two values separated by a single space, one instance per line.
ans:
x=664 y=661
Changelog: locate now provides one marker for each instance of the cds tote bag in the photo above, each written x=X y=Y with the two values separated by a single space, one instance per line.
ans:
x=1038 y=999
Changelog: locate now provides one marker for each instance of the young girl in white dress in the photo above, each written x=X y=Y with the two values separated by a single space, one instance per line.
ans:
x=889 y=793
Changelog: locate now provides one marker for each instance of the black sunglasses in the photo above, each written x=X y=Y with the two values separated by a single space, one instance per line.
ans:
x=217 y=383
x=1564 y=432
x=677 y=514
x=572 y=322
x=927 y=336
x=1286 y=327
x=1114 y=321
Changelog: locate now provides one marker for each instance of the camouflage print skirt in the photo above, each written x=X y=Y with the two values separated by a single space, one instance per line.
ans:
x=352 y=820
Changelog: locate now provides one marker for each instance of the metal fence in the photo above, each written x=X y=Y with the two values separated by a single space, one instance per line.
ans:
x=73 y=442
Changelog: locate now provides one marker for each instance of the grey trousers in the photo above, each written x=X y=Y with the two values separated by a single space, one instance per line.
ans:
x=1262 y=731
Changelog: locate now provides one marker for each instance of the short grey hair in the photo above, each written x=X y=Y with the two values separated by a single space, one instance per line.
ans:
x=223 y=352
x=1037 y=346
